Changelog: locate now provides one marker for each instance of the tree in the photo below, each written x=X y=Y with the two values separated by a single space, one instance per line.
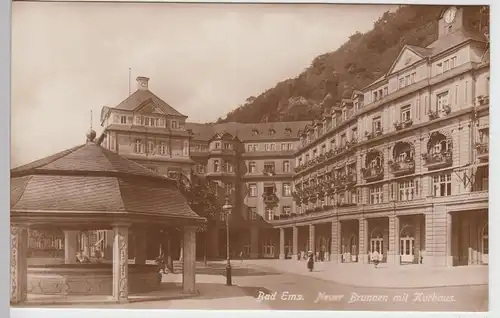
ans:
x=202 y=199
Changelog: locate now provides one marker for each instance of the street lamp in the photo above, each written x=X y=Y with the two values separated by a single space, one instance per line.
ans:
x=227 y=207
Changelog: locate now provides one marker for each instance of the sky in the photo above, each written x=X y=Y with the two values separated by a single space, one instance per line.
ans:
x=70 y=59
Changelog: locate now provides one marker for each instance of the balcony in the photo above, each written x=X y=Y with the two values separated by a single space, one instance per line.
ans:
x=270 y=198
x=438 y=160
x=373 y=174
x=403 y=125
x=482 y=149
x=269 y=172
x=401 y=168
x=375 y=133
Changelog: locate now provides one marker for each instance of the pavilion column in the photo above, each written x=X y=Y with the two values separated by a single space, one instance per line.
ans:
x=189 y=260
x=18 y=264
x=140 y=246
x=282 y=243
x=120 y=263
x=295 y=243
x=86 y=243
x=70 y=246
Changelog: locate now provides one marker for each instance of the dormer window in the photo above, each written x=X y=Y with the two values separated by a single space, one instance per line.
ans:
x=288 y=131
x=123 y=119
x=174 y=124
x=217 y=145
x=386 y=91
x=255 y=132
x=272 y=131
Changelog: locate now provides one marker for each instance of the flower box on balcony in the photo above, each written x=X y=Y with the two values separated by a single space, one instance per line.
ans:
x=268 y=172
x=433 y=115
x=277 y=217
x=318 y=209
x=327 y=207
x=373 y=174
x=293 y=214
x=402 y=168
x=438 y=160
x=308 y=211
x=482 y=149
x=269 y=198
x=447 y=109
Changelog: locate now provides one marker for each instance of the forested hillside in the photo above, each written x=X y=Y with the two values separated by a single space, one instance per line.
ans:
x=358 y=62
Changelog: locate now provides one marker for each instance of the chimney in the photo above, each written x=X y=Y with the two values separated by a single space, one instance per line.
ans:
x=142 y=83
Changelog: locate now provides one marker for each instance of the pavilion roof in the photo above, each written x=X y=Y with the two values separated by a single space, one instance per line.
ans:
x=91 y=183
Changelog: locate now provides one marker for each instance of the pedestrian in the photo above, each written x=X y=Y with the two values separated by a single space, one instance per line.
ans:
x=160 y=261
x=310 y=261
x=241 y=256
x=375 y=258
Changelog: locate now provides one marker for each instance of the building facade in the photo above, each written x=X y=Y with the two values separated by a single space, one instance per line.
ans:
x=400 y=168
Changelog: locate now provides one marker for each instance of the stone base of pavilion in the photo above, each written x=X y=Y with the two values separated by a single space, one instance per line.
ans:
x=165 y=291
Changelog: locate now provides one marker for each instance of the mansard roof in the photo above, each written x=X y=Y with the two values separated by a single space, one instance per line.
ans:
x=248 y=132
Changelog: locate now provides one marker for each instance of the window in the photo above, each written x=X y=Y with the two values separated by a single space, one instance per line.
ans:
x=266 y=147
x=283 y=147
x=162 y=122
x=376 y=195
x=375 y=98
x=287 y=210
x=307 y=157
x=252 y=168
x=442 y=185
x=315 y=153
x=446 y=65
x=217 y=145
x=163 y=148
x=442 y=100
x=249 y=148
x=228 y=166
x=269 y=167
x=405 y=114
x=407 y=80
x=272 y=132
x=151 y=147
x=255 y=147
x=343 y=140
x=138 y=148
x=286 y=166
x=290 y=146
x=354 y=134
x=401 y=82
x=453 y=62
x=227 y=145
x=377 y=124
x=253 y=213
x=287 y=189
x=439 y=68
x=273 y=147
x=323 y=149
x=269 y=214
x=138 y=120
x=173 y=124
x=269 y=189
x=146 y=121
x=413 y=77
x=228 y=188
x=407 y=190
x=255 y=132
x=252 y=190
x=123 y=119
x=216 y=166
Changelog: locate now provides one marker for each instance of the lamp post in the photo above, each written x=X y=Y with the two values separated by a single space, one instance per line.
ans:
x=227 y=208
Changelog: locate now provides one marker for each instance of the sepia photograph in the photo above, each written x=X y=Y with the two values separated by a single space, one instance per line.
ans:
x=250 y=156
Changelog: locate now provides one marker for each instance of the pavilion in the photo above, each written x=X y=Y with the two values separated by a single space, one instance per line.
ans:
x=89 y=188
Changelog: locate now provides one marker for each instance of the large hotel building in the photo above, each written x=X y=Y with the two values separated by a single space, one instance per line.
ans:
x=401 y=167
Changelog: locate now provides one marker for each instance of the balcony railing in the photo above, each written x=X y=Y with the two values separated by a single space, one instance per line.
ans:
x=268 y=172
x=348 y=146
x=399 y=168
x=269 y=198
x=373 y=174
x=375 y=133
x=403 y=125
x=438 y=160
x=482 y=149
